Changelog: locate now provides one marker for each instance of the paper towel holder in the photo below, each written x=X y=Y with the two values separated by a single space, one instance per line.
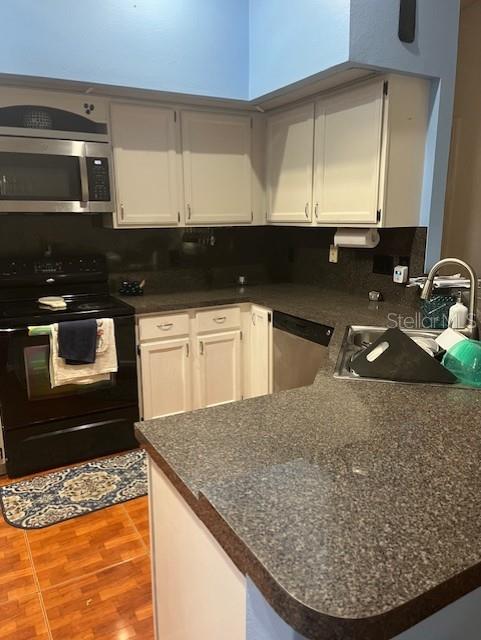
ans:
x=355 y=238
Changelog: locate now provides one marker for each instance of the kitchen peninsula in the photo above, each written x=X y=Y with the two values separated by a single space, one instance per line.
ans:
x=315 y=501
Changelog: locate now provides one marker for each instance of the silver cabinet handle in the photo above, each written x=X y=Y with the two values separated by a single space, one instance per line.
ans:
x=166 y=326
x=220 y=319
x=187 y=350
x=316 y=210
x=254 y=319
x=306 y=210
x=189 y=212
x=122 y=212
x=201 y=348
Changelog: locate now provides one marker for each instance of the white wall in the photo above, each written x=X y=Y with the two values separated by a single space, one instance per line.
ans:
x=374 y=41
x=290 y=41
x=462 y=228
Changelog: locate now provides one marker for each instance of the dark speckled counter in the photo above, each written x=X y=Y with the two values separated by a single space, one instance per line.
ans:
x=354 y=506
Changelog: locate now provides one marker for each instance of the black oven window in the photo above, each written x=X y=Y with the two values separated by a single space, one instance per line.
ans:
x=37 y=376
x=32 y=176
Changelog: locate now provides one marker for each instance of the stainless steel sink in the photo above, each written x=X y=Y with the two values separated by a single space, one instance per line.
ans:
x=358 y=338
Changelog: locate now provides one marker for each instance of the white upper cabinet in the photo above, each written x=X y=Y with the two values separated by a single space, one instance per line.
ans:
x=348 y=137
x=362 y=158
x=354 y=157
x=405 y=123
x=290 y=140
x=146 y=172
x=216 y=154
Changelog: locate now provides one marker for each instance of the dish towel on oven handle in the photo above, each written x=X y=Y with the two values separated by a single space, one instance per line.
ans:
x=105 y=363
x=77 y=341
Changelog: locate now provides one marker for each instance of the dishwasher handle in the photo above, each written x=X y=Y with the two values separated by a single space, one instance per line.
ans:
x=312 y=331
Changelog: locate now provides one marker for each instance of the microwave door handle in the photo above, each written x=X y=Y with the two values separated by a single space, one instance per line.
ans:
x=84 y=181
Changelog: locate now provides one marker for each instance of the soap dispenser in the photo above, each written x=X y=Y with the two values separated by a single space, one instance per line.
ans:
x=458 y=314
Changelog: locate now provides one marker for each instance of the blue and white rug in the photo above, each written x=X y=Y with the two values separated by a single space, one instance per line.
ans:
x=47 y=499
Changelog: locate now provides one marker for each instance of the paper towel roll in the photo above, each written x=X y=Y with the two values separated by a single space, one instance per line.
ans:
x=357 y=238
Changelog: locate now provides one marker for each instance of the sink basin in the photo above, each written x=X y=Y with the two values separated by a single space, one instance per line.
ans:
x=358 y=338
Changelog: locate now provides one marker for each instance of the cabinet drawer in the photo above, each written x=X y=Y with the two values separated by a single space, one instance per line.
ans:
x=175 y=324
x=218 y=319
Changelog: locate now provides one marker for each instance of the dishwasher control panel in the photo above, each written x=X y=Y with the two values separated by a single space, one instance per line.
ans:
x=312 y=331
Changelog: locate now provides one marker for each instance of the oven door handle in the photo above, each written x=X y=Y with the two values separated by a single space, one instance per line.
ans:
x=84 y=179
x=14 y=330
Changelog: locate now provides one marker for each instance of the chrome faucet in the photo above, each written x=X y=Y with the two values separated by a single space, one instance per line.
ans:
x=471 y=330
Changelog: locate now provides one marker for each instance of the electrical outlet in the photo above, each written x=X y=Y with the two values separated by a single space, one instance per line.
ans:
x=333 y=253
x=401 y=274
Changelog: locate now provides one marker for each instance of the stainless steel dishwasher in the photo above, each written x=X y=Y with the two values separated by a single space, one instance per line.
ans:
x=299 y=348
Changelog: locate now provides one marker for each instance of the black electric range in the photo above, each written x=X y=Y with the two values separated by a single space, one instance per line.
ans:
x=79 y=306
x=45 y=427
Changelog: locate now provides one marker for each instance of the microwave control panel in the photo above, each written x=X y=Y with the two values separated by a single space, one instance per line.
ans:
x=98 y=179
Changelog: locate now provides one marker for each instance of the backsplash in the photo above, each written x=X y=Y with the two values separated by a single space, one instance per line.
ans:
x=308 y=251
x=186 y=259
x=159 y=255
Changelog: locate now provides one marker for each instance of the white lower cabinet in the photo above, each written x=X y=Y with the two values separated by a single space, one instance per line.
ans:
x=219 y=371
x=166 y=377
x=198 y=592
x=259 y=351
x=202 y=358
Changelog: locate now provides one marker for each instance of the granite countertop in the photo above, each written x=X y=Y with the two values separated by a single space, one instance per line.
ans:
x=353 y=505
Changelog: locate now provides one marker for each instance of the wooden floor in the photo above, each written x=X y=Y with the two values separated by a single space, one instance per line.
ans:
x=83 y=579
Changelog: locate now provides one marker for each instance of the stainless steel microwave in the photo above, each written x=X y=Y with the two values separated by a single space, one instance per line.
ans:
x=40 y=175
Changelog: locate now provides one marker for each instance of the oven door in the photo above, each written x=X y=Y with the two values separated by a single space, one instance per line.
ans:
x=26 y=397
x=54 y=176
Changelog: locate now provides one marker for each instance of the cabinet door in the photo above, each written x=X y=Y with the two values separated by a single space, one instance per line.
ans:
x=216 y=152
x=146 y=174
x=166 y=377
x=347 y=155
x=198 y=592
x=290 y=141
x=260 y=352
x=219 y=371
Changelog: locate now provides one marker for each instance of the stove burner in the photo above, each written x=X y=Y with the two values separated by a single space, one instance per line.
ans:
x=87 y=306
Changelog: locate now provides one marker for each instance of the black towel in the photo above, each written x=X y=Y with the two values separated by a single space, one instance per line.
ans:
x=77 y=341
